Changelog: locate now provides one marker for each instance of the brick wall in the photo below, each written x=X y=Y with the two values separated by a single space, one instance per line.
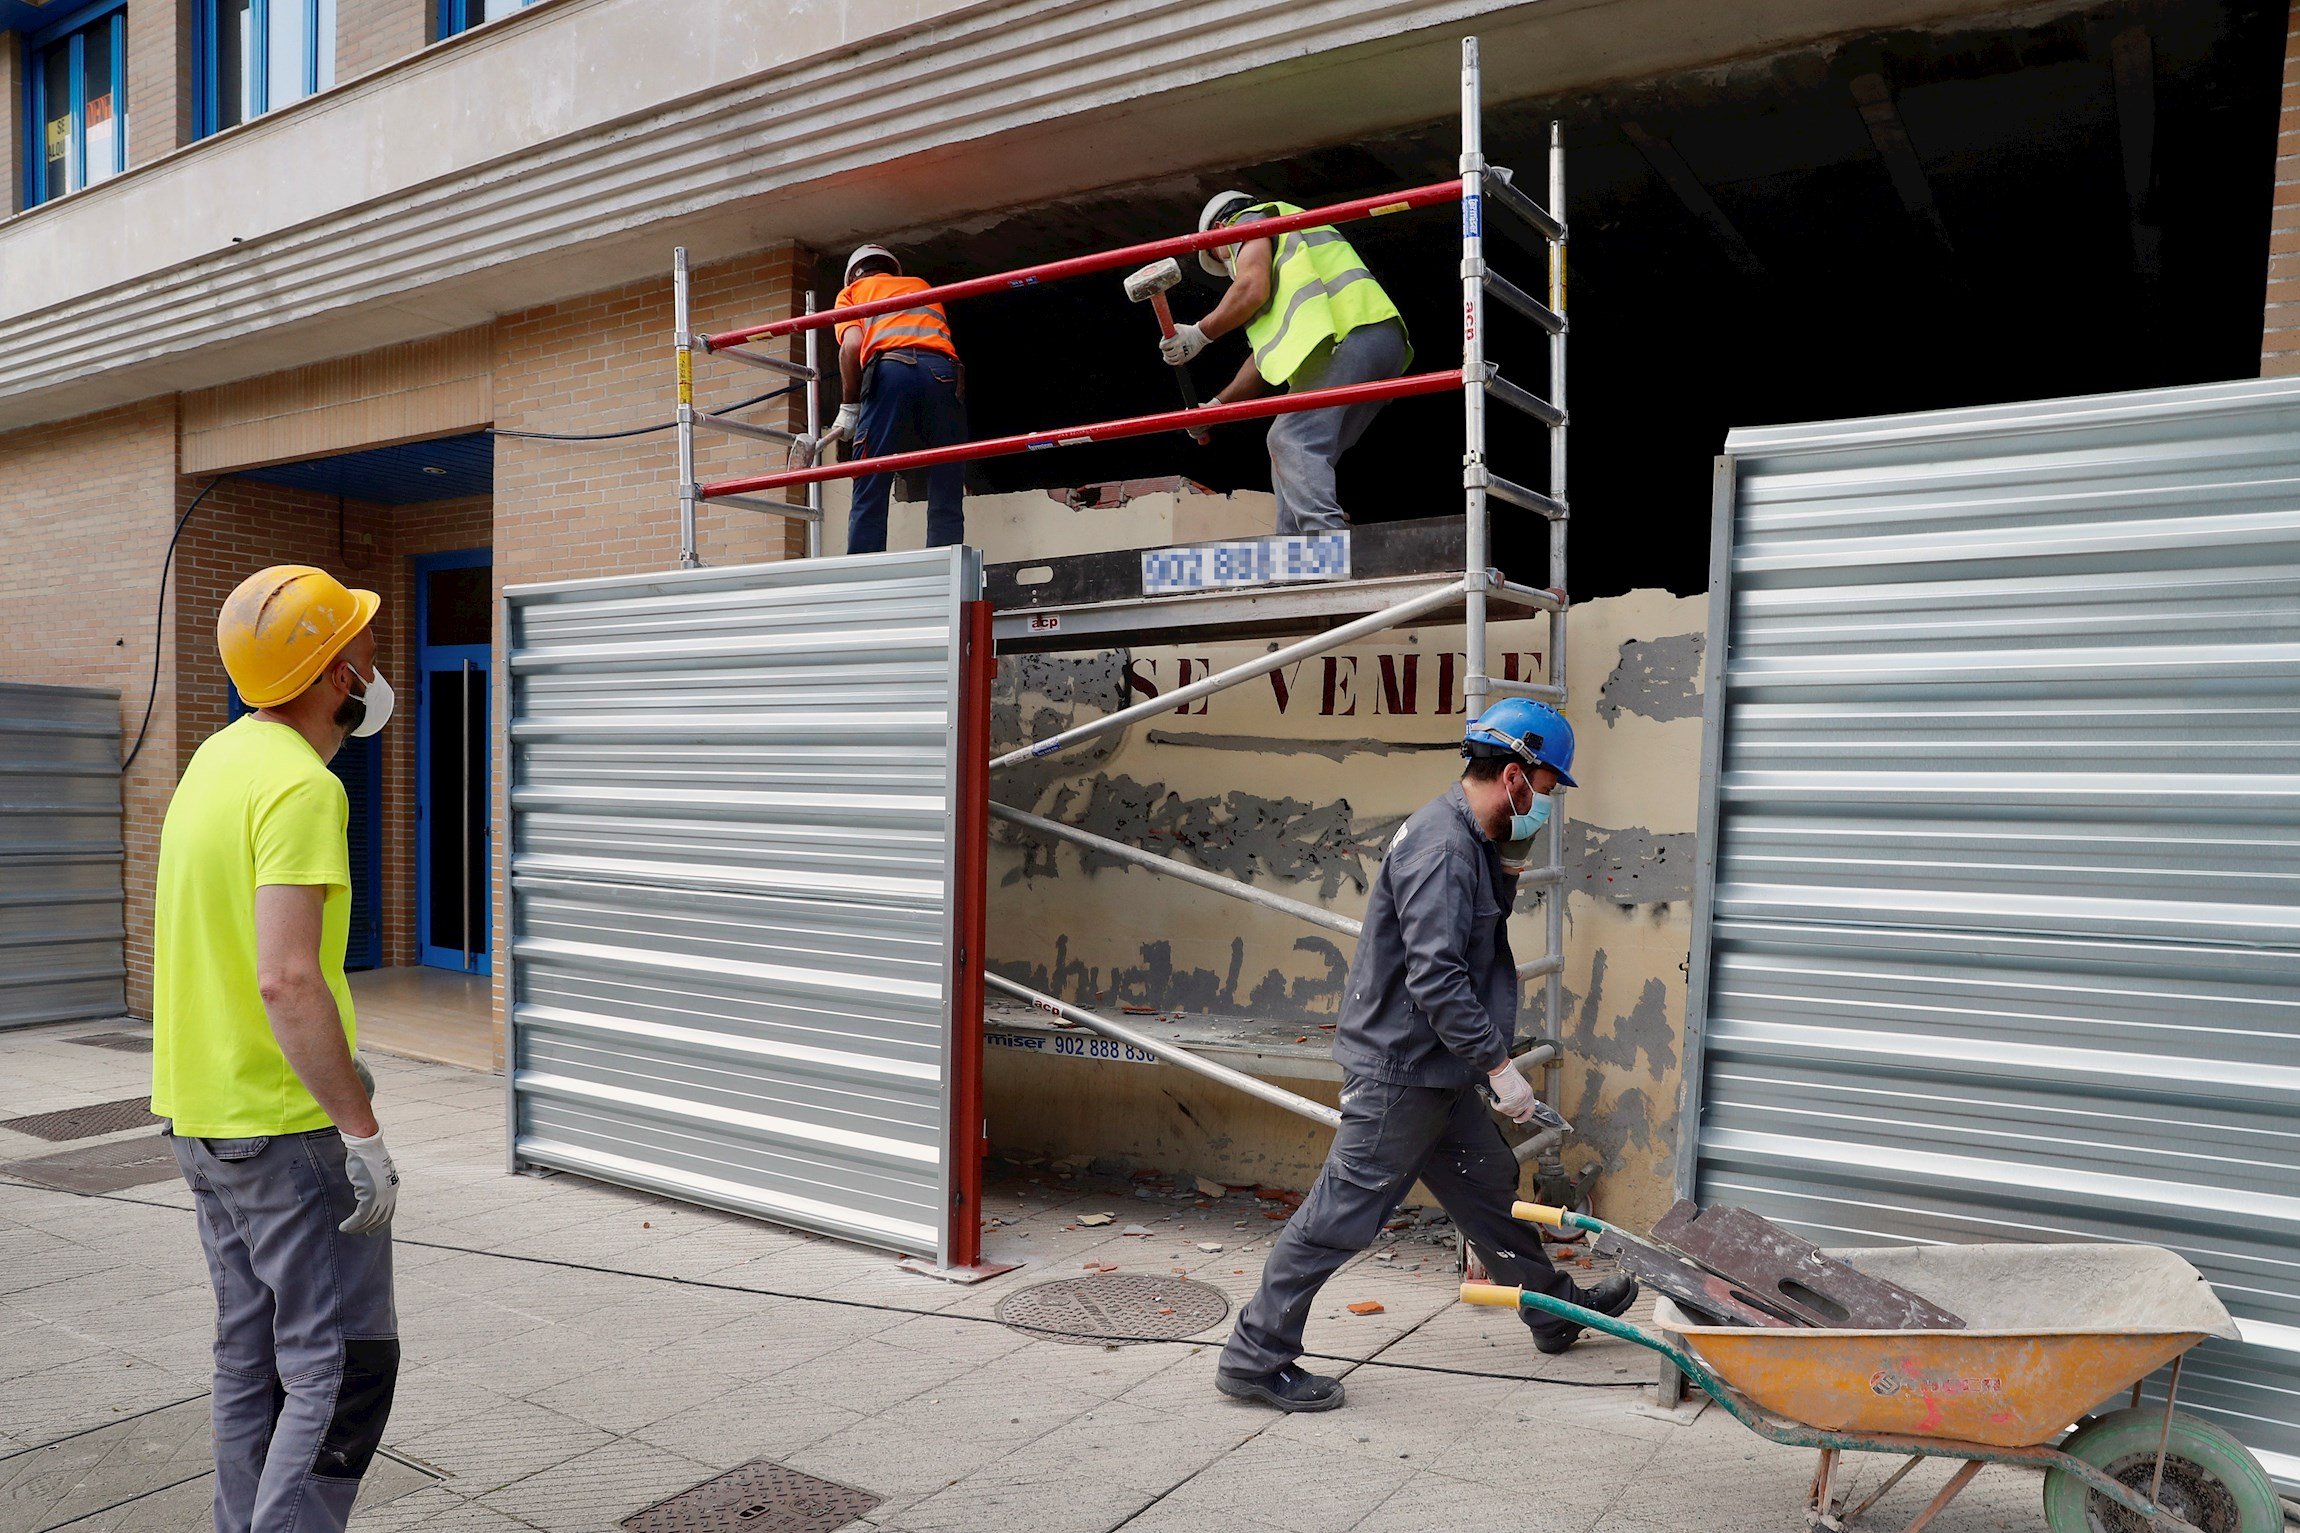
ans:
x=159 y=78
x=240 y=528
x=2280 y=331
x=602 y=362
x=85 y=513
x=372 y=33
x=90 y=503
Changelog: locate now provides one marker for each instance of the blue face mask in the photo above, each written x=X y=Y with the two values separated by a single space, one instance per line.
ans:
x=1524 y=827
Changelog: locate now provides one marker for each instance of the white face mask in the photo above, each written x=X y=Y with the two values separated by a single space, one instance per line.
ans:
x=377 y=700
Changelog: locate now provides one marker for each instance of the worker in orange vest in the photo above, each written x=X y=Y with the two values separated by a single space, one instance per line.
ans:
x=900 y=376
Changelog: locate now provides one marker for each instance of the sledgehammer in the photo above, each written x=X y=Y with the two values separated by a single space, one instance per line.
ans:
x=1151 y=282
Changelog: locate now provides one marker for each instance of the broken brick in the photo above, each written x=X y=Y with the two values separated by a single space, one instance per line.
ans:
x=1366 y=1307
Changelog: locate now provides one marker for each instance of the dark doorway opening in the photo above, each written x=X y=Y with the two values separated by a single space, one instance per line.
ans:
x=454 y=626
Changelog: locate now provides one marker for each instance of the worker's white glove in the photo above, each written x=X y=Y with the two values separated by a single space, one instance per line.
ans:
x=374 y=1180
x=844 y=426
x=1186 y=342
x=1513 y=1094
x=1202 y=434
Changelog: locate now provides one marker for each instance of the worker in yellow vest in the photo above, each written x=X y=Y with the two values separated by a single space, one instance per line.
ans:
x=266 y=1106
x=1315 y=319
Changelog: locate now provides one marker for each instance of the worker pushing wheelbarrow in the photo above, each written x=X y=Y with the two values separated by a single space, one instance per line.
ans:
x=2051 y=1334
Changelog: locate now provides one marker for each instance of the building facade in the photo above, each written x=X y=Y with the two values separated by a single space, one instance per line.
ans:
x=383 y=285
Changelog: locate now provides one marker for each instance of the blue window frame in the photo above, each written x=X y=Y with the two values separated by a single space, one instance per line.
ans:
x=76 y=97
x=454 y=650
x=452 y=16
x=256 y=56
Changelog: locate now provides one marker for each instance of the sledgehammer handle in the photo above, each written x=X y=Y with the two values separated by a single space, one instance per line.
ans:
x=1166 y=327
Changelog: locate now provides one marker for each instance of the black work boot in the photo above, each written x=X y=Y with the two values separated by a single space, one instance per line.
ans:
x=1611 y=1297
x=1289 y=1388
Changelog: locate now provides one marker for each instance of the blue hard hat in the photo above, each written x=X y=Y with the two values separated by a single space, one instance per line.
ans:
x=1531 y=732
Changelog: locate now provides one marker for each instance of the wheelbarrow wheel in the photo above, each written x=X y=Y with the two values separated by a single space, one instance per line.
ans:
x=2209 y=1477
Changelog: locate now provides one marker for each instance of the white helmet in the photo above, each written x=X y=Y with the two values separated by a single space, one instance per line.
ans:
x=870 y=253
x=1222 y=205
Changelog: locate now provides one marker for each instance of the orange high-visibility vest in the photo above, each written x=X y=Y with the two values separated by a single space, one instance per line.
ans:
x=925 y=327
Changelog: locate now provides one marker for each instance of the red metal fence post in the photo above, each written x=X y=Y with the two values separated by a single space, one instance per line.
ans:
x=969 y=1135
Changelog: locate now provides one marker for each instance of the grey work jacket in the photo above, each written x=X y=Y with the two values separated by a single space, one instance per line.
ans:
x=1432 y=997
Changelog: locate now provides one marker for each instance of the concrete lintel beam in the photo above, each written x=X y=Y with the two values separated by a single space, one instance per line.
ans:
x=1882 y=117
x=2132 y=59
x=1678 y=176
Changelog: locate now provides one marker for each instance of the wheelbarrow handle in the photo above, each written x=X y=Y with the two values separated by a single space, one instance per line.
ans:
x=1501 y=1296
x=1556 y=1218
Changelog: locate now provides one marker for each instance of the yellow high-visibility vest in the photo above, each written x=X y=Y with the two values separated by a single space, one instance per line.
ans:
x=1320 y=291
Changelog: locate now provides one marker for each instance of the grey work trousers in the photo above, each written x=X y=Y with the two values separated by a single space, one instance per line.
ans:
x=1391 y=1137
x=307 y=1342
x=1304 y=448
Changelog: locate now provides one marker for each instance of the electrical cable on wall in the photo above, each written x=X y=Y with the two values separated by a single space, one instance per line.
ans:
x=159 y=620
x=613 y=436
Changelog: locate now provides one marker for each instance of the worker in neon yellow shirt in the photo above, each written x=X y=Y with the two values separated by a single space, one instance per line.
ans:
x=1314 y=318
x=253 y=1066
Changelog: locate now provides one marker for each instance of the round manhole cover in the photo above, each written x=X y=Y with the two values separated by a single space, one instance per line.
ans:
x=1115 y=1308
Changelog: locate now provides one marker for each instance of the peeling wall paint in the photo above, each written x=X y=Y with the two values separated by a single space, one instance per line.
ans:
x=1659 y=678
x=1630 y=865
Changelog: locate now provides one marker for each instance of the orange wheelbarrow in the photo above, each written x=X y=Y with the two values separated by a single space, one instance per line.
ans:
x=2054 y=1334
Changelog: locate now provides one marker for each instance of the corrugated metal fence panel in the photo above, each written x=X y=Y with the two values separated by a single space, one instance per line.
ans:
x=731 y=799
x=2002 y=939
x=61 y=929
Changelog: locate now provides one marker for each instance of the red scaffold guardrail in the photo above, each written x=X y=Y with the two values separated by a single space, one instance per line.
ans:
x=1079 y=266
x=1105 y=431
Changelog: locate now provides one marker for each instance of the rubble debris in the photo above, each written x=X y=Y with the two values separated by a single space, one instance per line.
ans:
x=1211 y=1189
x=1367 y=1307
x=1210 y=1247
x=1091 y=1220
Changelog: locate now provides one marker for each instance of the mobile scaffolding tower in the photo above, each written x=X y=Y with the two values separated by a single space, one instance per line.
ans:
x=1387 y=590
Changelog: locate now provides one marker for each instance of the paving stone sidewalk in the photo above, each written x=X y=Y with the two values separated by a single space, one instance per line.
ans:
x=541 y=1392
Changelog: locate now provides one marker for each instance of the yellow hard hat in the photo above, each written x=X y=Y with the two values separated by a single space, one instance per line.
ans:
x=281 y=626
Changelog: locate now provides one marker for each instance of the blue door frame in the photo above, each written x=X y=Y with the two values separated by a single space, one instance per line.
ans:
x=360 y=765
x=445 y=718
